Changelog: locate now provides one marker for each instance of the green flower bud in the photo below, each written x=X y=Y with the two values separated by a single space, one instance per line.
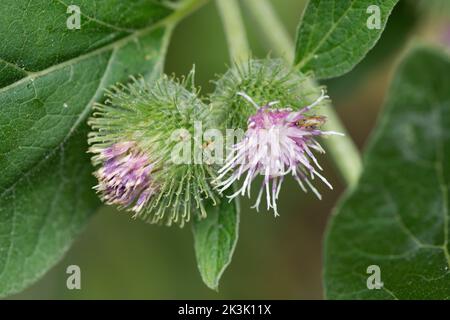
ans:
x=264 y=80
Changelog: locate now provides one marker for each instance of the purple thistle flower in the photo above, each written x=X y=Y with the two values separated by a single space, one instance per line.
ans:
x=277 y=142
x=124 y=177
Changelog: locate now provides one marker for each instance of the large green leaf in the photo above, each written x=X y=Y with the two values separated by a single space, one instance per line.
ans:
x=397 y=218
x=46 y=181
x=34 y=34
x=215 y=239
x=333 y=36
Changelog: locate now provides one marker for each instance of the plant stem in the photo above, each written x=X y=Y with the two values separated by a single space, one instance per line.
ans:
x=343 y=150
x=184 y=9
x=278 y=36
x=234 y=30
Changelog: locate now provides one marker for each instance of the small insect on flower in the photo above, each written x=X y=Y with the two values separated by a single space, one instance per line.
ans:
x=278 y=142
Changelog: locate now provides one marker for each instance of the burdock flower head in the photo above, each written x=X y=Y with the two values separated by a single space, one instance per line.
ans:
x=133 y=137
x=279 y=140
x=125 y=176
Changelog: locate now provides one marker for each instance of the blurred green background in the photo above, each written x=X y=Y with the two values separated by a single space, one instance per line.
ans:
x=276 y=258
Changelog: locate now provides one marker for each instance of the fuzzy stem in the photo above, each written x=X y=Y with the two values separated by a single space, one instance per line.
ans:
x=234 y=30
x=343 y=150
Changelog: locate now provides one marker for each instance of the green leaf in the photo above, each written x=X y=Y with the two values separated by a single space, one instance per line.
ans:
x=215 y=239
x=46 y=181
x=333 y=36
x=34 y=35
x=398 y=216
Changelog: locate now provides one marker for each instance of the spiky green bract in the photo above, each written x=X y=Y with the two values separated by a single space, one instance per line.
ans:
x=150 y=114
x=264 y=80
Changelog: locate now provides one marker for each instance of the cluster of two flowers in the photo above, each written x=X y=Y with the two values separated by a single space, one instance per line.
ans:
x=277 y=142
